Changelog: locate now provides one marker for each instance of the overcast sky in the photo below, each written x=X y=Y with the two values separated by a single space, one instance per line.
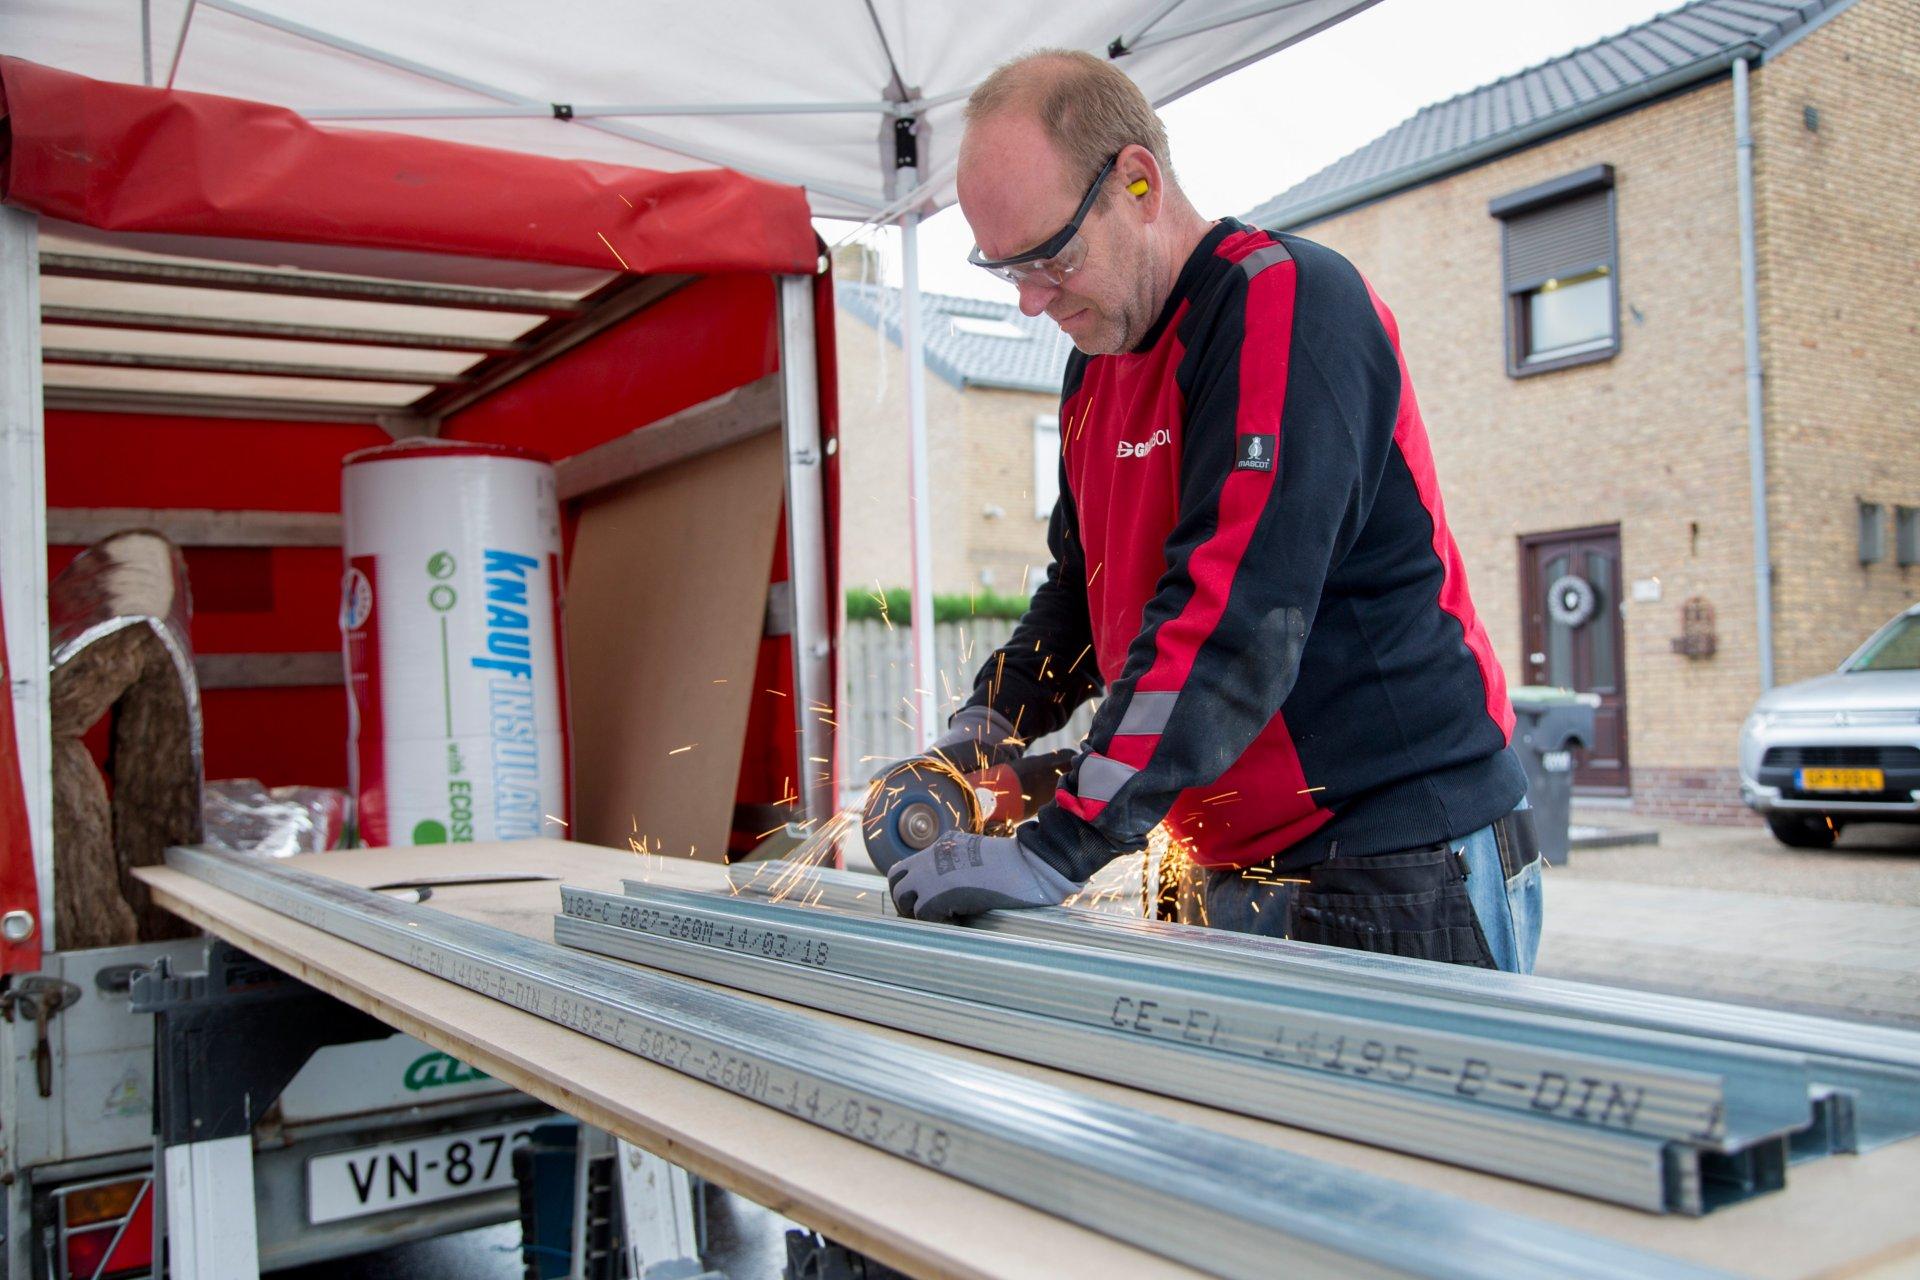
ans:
x=1251 y=135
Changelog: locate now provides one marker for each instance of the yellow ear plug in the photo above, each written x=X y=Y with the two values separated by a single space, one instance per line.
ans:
x=1137 y=187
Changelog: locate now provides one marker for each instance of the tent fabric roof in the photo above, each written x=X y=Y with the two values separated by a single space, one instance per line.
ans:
x=1032 y=356
x=801 y=93
x=1692 y=42
x=125 y=158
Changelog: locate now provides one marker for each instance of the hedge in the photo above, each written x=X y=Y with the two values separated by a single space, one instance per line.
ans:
x=866 y=606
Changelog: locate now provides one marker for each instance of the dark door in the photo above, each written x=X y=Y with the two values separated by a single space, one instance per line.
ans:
x=1570 y=611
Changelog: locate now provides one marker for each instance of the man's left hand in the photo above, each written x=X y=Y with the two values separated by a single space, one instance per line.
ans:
x=962 y=874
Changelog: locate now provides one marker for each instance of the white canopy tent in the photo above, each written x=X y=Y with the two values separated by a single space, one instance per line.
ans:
x=857 y=101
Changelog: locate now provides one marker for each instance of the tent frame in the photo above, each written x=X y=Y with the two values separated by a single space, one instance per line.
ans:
x=902 y=110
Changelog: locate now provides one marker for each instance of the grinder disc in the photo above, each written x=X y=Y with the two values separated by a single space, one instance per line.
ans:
x=912 y=805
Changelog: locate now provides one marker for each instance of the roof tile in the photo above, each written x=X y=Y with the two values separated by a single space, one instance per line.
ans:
x=1036 y=361
x=1695 y=35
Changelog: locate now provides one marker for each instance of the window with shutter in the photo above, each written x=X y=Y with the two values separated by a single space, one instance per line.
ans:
x=1559 y=272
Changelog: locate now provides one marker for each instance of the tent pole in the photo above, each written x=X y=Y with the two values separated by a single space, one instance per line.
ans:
x=1170 y=34
x=913 y=341
x=594 y=111
x=812 y=639
x=1125 y=42
x=23 y=538
x=180 y=45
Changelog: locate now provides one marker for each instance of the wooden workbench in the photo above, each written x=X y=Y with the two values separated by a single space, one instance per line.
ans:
x=1843 y=1216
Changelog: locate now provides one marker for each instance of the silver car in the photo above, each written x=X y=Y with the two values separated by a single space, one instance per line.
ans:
x=1840 y=748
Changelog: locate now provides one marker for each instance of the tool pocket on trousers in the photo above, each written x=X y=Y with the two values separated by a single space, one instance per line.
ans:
x=1402 y=904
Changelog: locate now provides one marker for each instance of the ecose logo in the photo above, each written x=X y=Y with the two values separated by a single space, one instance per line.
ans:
x=430 y=1071
x=1128 y=449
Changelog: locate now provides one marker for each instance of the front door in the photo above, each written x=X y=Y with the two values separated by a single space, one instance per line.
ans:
x=1570 y=611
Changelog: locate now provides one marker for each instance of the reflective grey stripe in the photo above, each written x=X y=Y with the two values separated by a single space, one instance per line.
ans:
x=1260 y=259
x=1146 y=713
x=1101 y=778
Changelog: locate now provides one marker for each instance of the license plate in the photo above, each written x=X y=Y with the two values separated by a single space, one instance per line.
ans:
x=1842 y=780
x=349 y=1184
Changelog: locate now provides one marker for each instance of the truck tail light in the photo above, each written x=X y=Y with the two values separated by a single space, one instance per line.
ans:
x=106 y=1229
x=102 y=1202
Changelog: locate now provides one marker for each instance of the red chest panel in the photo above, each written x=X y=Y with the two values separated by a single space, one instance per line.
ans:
x=1122 y=434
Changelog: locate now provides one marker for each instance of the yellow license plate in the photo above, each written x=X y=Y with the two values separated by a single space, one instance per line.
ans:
x=1842 y=780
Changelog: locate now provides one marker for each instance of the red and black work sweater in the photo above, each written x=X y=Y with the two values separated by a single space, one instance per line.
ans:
x=1250 y=556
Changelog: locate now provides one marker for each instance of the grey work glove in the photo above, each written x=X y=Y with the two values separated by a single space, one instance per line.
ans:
x=962 y=874
x=977 y=738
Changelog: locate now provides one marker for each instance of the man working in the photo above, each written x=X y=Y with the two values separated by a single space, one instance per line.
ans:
x=1250 y=557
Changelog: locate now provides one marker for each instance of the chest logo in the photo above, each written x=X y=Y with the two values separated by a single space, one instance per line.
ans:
x=1256 y=454
x=1128 y=449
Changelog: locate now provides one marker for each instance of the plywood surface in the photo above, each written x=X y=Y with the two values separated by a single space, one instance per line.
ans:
x=1843 y=1216
x=666 y=602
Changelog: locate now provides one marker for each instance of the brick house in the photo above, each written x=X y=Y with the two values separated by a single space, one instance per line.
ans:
x=993 y=437
x=1562 y=250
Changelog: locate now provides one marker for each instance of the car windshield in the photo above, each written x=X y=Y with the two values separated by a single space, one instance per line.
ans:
x=1895 y=649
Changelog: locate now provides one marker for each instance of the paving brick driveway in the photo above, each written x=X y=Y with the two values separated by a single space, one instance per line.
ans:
x=1728 y=913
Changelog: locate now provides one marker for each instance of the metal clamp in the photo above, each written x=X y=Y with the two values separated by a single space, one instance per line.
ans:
x=39 y=997
x=227 y=1041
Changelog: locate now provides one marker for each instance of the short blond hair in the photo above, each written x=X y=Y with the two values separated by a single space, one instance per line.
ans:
x=1088 y=106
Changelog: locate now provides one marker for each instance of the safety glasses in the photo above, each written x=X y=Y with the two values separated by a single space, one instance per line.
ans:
x=1063 y=252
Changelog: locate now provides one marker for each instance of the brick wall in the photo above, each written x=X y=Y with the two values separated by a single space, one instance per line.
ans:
x=876 y=533
x=1653 y=439
x=1007 y=550
x=1839 y=244
x=1691 y=795
x=980 y=446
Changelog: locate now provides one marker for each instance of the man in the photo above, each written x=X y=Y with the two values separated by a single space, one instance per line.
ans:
x=1250 y=557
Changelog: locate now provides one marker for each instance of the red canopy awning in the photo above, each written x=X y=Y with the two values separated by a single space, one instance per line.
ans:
x=126 y=158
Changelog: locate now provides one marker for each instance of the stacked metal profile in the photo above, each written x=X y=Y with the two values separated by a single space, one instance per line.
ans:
x=1223 y=1205
x=1876 y=1068
x=1655 y=1118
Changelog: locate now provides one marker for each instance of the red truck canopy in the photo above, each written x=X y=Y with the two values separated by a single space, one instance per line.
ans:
x=234 y=298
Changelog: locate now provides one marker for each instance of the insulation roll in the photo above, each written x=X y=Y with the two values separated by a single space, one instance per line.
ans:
x=450 y=616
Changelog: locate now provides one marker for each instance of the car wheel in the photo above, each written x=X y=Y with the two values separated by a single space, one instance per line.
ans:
x=1803 y=833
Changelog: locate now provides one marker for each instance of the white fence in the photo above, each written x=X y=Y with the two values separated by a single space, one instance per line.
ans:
x=877 y=713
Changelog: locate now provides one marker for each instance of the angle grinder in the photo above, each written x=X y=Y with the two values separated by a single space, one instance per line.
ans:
x=919 y=800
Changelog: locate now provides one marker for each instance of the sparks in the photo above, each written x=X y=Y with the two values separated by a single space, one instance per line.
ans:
x=615 y=252
x=677 y=750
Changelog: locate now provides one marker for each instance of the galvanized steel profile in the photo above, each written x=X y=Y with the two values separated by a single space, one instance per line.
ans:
x=1222 y=1204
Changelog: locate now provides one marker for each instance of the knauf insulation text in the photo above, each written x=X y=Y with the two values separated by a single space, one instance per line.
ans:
x=514 y=746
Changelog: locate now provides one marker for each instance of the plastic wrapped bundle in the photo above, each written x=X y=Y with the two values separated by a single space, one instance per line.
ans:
x=244 y=815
